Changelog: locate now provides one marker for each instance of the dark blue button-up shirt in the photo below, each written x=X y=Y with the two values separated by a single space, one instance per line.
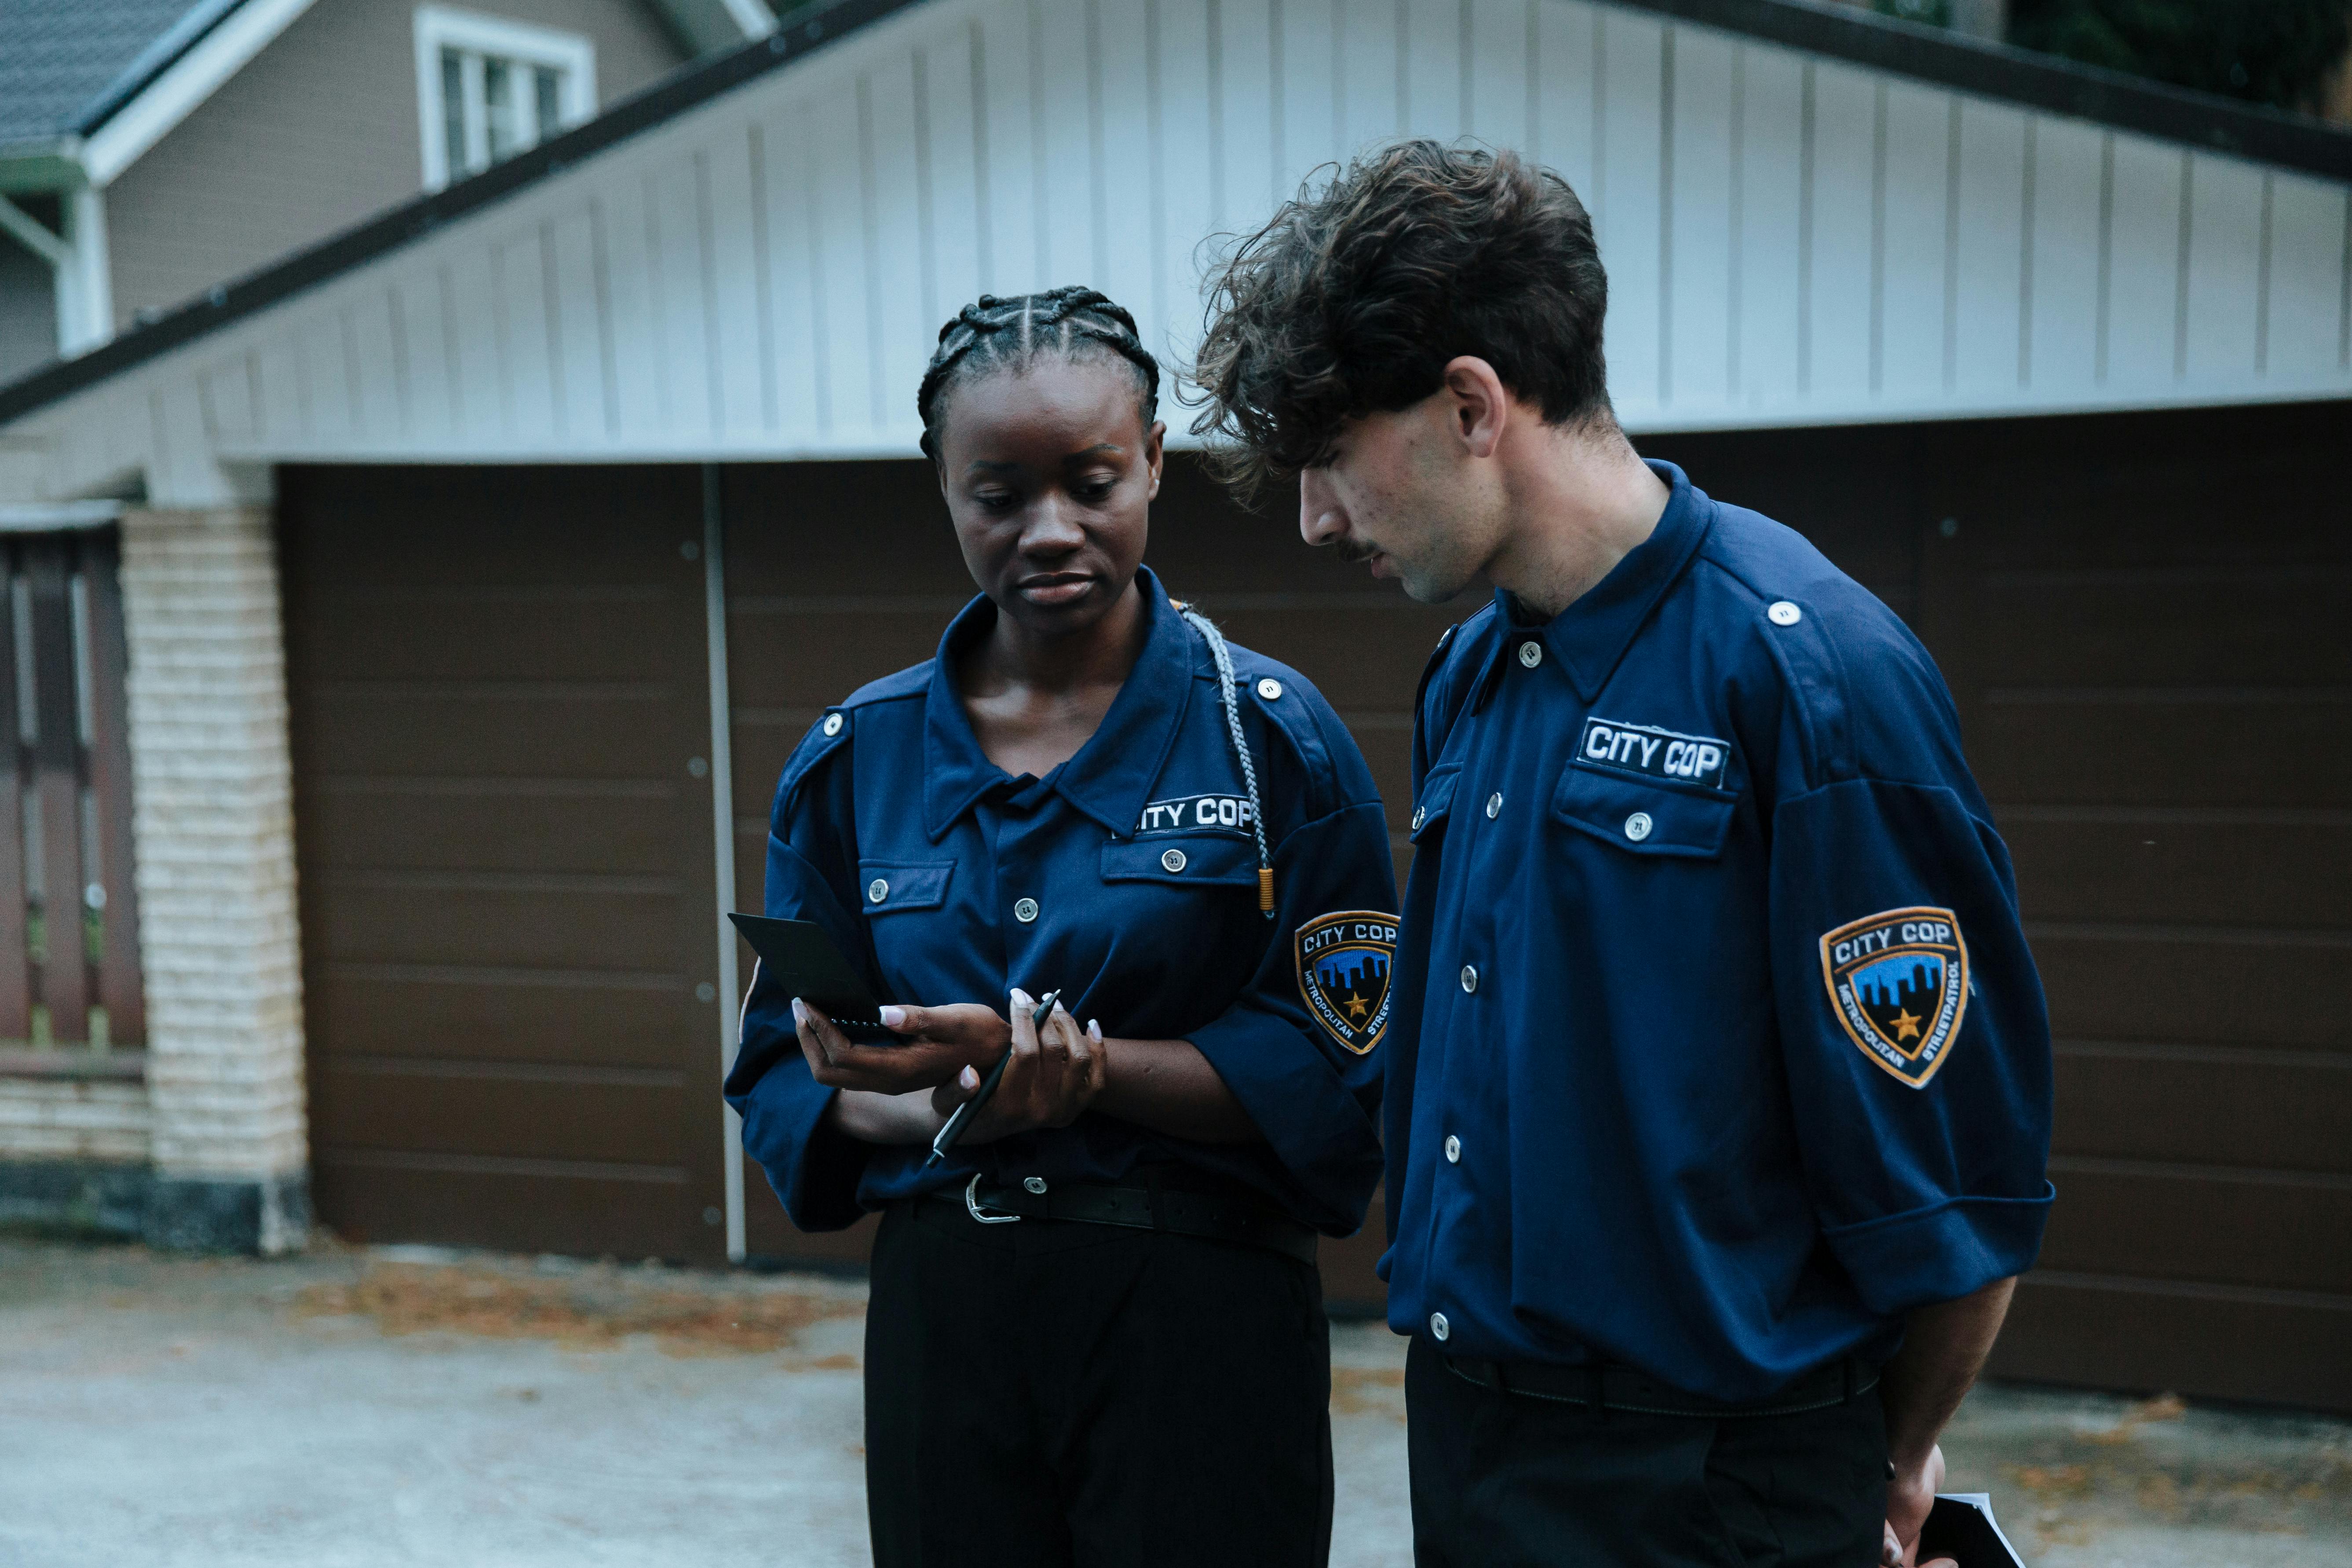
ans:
x=1717 y=1045
x=1128 y=879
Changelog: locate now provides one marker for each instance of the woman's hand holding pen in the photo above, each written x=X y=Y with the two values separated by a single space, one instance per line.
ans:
x=941 y=1042
x=1055 y=1072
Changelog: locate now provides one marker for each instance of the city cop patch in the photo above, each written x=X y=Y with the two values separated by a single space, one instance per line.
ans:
x=1898 y=983
x=1343 y=974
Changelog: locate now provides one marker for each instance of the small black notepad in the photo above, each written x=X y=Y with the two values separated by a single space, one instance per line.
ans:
x=800 y=959
x=1960 y=1527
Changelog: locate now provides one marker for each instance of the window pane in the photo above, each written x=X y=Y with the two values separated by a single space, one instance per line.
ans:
x=453 y=112
x=498 y=97
x=551 y=111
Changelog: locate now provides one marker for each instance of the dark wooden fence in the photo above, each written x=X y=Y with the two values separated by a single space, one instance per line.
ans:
x=69 y=915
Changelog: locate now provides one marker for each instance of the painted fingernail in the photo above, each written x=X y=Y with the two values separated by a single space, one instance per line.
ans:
x=969 y=1078
x=1022 y=999
x=800 y=1013
x=1094 y=1027
x=893 y=1017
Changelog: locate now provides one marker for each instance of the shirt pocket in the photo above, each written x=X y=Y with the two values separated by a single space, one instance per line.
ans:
x=1429 y=811
x=886 y=887
x=1644 y=818
x=1180 y=859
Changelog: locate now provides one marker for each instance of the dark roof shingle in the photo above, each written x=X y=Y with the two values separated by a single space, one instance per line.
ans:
x=64 y=63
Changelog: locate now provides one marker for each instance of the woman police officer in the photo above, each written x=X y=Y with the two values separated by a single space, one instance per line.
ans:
x=1096 y=1332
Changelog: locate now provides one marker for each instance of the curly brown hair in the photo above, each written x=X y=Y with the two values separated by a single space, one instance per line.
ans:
x=1355 y=297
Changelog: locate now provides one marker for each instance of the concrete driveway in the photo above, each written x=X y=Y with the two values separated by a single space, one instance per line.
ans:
x=396 y=1405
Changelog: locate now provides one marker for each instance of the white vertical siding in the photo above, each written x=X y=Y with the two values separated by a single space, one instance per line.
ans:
x=1789 y=239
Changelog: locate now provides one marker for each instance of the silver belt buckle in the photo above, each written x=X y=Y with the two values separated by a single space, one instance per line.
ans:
x=971 y=1203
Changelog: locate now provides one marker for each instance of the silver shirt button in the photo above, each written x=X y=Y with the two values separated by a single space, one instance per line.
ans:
x=1494 y=805
x=1035 y=1184
x=1783 y=614
x=1637 y=826
x=1269 y=688
x=877 y=890
x=1439 y=1326
x=1453 y=1149
x=1173 y=859
x=1469 y=977
x=1024 y=909
x=832 y=725
x=1531 y=653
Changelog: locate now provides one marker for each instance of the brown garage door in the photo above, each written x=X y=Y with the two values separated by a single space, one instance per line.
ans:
x=839 y=572
x=498 y=691
x=2146 y=621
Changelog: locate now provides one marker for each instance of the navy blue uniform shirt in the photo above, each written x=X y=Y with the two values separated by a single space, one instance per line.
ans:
x=1127 y=880
x=1717 y=1045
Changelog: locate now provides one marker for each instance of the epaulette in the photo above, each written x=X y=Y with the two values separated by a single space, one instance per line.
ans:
x=839 y=721
x=1800 y=642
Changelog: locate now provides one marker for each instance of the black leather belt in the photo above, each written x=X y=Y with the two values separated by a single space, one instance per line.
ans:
x=1150 y=1206
x=1606 y=1386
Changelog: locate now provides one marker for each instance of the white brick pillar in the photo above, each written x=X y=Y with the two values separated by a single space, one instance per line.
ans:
x=214 y=825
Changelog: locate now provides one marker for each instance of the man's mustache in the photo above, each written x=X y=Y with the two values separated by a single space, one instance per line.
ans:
x=1355 y=551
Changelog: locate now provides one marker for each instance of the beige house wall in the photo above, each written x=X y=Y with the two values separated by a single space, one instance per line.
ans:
x=317 y=133
x=68 y=1119
x=28 y=310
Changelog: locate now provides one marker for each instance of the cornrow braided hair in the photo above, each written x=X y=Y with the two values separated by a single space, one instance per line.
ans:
x=993 y=334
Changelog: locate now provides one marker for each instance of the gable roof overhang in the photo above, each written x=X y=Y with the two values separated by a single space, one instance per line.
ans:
x=210 y=42
x=162 y=86
x=2281 y=163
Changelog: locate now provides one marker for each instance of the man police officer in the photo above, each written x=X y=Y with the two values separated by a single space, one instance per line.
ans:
x=1718 y=1078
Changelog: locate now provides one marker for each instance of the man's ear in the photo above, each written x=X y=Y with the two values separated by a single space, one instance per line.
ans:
x=1481 y=404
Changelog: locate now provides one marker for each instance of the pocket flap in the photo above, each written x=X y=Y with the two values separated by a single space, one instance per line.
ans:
x=1181 y=857
x=1436 y=799
x=886 y=887
x=1641 y=819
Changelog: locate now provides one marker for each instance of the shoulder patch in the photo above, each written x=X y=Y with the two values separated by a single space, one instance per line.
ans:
x=1344 y=958
x=1898 y=981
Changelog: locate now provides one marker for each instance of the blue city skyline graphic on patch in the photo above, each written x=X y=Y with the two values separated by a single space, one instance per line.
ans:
x=1896 y=979
x=1902 y=994
x=1354 y=974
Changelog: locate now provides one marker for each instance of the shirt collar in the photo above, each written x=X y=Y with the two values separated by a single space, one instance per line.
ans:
x=1112 y=773
x=1592 y=635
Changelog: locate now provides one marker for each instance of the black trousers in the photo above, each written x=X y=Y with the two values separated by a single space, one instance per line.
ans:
x=1052 y=1394
x=1501 y=1480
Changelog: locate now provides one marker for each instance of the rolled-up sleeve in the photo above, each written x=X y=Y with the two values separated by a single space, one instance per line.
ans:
x=1300 y=1049
x=1917 y=1039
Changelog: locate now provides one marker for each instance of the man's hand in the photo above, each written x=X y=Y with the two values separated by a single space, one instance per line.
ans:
x=1944 y=1347
x=1909 y=1495
x=941 y=1041
x=1057 y=1070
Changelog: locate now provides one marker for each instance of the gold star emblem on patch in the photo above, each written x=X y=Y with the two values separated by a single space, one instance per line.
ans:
x=1906 y=1025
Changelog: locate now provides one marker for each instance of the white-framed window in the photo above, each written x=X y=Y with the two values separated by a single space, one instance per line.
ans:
x=487 y=88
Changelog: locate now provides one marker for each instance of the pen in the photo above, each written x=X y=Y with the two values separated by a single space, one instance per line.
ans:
x=964 y=1112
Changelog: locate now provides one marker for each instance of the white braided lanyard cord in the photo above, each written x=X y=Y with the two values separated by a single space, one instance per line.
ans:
x=1225 y=688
